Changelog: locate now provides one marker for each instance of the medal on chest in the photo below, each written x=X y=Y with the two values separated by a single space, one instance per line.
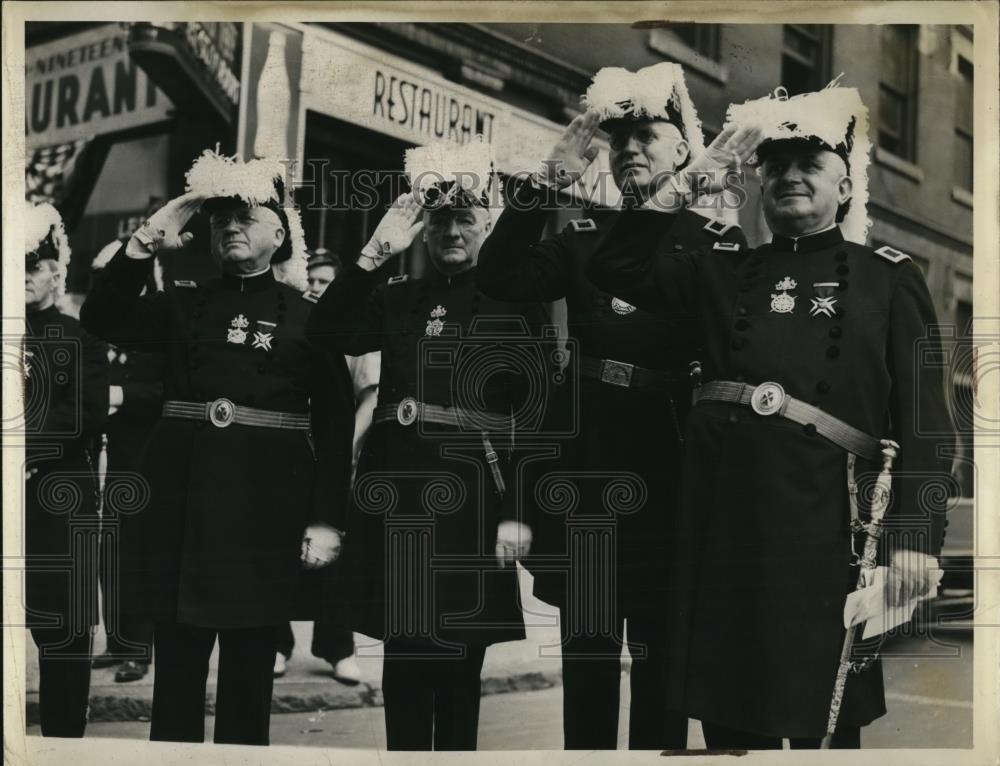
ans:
x=26 y=363
x=264 y=335
x=782 y=302
x=435 y=324
x=237 y=332
x=620 y=307
x=823 y=302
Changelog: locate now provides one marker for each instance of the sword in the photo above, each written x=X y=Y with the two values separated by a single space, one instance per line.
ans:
x=880 y=502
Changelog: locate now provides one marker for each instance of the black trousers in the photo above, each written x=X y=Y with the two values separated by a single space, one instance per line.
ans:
x=330 y=642
x=63 y=680
x=129 y=637
x=243 y=696
x=431 y=699
x=723 y=738
x=591 y=666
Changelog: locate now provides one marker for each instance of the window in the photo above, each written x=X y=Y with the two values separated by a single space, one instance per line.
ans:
x=898 y=90
x=703 y=38
x=963 y=125
x=805 y=57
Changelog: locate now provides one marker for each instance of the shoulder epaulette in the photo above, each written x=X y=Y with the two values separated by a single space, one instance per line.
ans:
x=310 y=296
x=583 y=224
x=397 y=280
x=727 y=247
x=718 y=228
x=892 y=254
x=185 y=283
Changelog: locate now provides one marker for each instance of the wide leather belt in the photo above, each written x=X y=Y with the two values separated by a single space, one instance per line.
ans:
x=409 y=411
x=769 y=398
x=222 y=412
x=627 y=375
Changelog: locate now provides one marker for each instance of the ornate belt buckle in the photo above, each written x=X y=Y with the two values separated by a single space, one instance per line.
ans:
x=767 y=398
x=406 y=412
x=221 y=412
x=616 y=373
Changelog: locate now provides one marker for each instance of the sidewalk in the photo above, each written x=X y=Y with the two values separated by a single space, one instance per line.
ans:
x=308 y=686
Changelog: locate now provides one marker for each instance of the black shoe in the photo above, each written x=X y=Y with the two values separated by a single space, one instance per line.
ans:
x=106 y=660
x=131 y=670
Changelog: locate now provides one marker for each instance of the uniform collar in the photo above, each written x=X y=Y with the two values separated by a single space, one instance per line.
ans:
x=819 y=240
x=453 y=280
x=251 y=283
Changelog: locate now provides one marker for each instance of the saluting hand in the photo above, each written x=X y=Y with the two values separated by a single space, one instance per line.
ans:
x=513 y=542
x=719 y=165
x=572 y=154
x=321 y=545
x=394 y=233
x=166 y=223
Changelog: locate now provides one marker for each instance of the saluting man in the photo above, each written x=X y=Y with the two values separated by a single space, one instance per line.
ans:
x=433 y=527
x=65 y=403
x=635 y=394
x=813 y=347
x=249 y=465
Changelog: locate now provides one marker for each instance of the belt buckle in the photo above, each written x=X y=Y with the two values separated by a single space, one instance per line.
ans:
x=616 y=373
x=222 y=412
x=767 y=398
x=406 y=412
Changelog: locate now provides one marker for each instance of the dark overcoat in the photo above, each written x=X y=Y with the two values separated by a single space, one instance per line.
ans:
x=761 y=560
x=420 y=553
x=66 y=401
x=229 y=505
x=619 y=448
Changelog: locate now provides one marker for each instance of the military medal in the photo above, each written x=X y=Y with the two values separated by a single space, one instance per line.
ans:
x=261 y=337
x=26 y=363
x=237 y=332
x=782 y=302
x=824 y=300
x=262 y=340
x=434 y=324
x=621 y=307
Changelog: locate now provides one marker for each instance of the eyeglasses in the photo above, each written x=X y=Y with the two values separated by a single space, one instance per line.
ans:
x=243 y=218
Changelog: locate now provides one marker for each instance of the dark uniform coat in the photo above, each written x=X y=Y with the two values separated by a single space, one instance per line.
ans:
x=762 y=555
x=66 y=401
x=228 y=506
x=421 y=540
x=629 y=438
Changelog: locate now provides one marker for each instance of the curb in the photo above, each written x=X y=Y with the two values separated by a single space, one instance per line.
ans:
x=292 y=697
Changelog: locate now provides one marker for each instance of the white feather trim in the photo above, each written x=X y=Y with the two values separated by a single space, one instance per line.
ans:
x=825 y=114
x=292 y=271
x=617 y=93
x=39 y=220
x=217 y=175
x=468 y=166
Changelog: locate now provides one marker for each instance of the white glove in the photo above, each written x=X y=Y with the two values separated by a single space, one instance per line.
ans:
x=714 y=170
x=911 y=575
x=572 y=154
x=394 y=233
x=164 y=227
x=513 y=542
x=321 y=545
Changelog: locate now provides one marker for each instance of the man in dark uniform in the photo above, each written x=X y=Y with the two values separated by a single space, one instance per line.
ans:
x=248 y=466
x=65 y=403
x=434 y=529
x=634 y=372
x=135 y=400
x=813 y=348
